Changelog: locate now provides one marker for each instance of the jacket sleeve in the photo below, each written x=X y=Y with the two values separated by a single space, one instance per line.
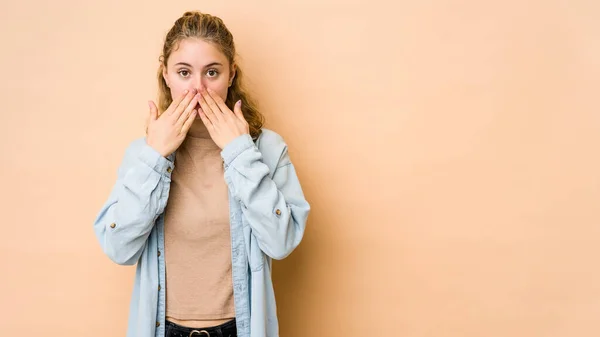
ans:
x=273 y=205
x=137 y=198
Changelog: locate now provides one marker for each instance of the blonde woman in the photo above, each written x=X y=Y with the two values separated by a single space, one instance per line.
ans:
x=206 y=200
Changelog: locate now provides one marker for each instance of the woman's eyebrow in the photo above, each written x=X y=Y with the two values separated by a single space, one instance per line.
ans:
x=206 y=66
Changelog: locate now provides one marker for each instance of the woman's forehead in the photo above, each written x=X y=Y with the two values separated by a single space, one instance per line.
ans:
x=197 y=53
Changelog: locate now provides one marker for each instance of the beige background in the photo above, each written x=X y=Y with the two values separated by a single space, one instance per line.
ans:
x=449 y=150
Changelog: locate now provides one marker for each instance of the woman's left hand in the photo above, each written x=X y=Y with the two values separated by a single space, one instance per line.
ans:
x=223 y=125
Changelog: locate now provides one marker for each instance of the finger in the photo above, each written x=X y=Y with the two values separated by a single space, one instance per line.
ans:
x=209 y=125
x=153 y=111
x=188 y=122
x=177 y=107
x=175 y=103
x=219 y=102
x=182 y=120
x=237 y=109
x=188 y=110
x=206 y=110
x=213 y=105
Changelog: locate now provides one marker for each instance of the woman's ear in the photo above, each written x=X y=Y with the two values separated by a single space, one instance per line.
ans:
x=232 y=74
x=164 y=74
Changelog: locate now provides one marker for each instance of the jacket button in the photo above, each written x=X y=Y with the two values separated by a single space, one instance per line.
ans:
x=169 y=169
x=113 y=225
x=278 y=212
x=159 y=287
x=159 y=253
x=157 y=324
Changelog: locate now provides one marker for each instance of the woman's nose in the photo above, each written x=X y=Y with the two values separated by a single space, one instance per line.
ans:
x=199 y=85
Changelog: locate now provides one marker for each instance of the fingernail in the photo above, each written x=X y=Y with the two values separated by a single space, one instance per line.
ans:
x=239 y=102
x=185 y=91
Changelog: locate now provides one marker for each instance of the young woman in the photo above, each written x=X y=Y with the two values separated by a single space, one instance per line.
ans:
x=206 y=200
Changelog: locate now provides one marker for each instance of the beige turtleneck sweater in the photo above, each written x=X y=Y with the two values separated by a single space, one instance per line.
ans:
x=197 y=237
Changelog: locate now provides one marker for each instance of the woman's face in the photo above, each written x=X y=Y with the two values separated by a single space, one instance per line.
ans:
x=196 y=64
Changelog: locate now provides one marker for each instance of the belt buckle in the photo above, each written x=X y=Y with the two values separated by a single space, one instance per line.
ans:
x=200 y=333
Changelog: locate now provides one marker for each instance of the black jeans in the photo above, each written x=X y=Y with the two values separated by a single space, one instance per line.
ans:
x=227 y=329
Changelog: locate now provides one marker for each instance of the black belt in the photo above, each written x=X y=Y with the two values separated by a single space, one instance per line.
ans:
x=227 y=329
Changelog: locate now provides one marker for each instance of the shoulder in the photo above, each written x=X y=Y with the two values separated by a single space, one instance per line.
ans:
x=139 y=149
x=270 y=140
x=135 y=147
x=273 y=148
x=137 y=144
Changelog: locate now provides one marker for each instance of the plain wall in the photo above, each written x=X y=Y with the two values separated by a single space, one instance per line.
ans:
x=449 y=150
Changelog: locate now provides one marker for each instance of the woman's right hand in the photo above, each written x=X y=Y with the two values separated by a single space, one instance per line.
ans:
x=166 y=132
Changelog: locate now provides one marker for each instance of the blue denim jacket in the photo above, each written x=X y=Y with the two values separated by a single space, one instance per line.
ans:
x=268 y=215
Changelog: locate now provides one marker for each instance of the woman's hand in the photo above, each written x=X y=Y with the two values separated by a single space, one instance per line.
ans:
x=166 y=132
x=223 y=125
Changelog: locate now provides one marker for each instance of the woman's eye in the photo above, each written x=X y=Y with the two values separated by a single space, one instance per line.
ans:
x=184 y=73
x=212 y=73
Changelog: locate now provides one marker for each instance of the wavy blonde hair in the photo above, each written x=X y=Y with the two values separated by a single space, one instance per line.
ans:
x=209 y=28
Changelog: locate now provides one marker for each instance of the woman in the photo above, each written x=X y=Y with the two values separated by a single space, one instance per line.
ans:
x=234 y=201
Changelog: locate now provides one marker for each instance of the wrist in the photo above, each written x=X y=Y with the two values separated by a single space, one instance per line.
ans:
x=158 y=149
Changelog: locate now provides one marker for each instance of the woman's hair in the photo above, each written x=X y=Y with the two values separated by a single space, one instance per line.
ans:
x=211 y=29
